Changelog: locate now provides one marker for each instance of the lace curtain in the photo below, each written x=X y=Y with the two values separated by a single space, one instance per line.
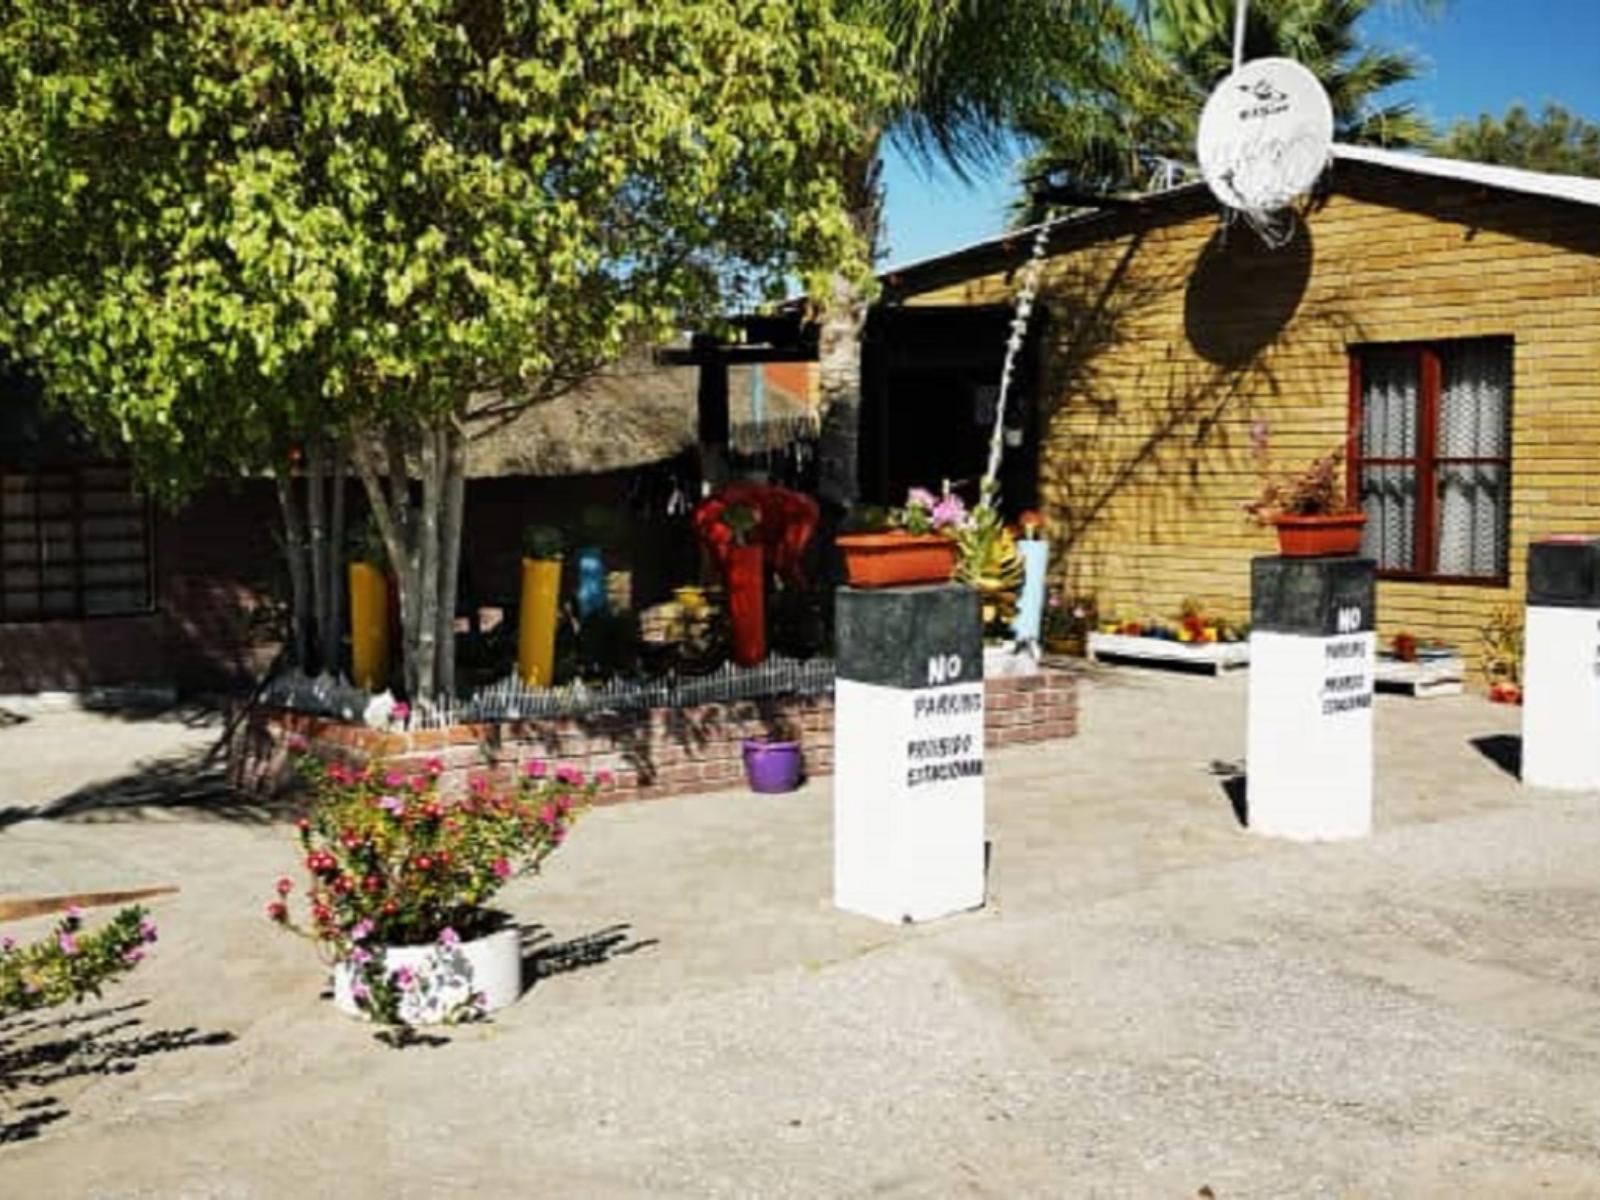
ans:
x=1389 y=430
x=1472 y=424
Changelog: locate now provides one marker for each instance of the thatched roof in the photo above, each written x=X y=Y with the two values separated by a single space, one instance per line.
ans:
x=632 y=414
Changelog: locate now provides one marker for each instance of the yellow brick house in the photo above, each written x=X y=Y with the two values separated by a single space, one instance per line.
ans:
x=1438 y=320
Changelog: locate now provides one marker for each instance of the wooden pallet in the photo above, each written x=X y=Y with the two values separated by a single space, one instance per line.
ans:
x=1212 y=657
x=1422 y=679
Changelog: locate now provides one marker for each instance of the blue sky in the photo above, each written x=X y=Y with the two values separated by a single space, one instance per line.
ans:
x=1478 y=56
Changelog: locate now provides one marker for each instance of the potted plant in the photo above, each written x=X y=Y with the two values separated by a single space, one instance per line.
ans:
x=1067 y=622
x=772 y=764
x=909 y=545
x=369 y=608
x=1309 y=508
x=541 y=591
x=988 y=561
x=400 y=879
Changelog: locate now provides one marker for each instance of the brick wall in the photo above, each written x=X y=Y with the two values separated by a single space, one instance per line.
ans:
x=1166 y=343
x=662 y=752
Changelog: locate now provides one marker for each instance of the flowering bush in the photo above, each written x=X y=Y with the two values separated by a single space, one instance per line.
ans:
x=71 y=963
x=392 y=863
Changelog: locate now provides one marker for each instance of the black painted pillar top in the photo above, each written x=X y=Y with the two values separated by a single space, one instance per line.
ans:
x=1564 y=572
x=908 y=637
x=1316 y=597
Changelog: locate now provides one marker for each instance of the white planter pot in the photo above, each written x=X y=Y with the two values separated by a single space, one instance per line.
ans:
x=448 y=976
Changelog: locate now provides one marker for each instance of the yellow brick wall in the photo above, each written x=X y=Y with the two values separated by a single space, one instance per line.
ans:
x=1153 y=380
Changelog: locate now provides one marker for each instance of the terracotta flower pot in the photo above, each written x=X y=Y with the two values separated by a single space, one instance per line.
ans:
x=1319 y=536
x=897 y=559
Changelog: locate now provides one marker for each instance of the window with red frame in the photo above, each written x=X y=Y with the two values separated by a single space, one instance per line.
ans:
x=1431 y=457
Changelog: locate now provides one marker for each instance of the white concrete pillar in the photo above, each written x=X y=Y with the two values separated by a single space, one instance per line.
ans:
x=908 y=795
x=1312 y=654
x=1561 y=666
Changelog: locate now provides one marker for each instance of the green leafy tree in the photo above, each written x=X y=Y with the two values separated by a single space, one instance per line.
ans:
x=1132 y=125
x=968 y=71
x=232 y=229
x=1557 y=140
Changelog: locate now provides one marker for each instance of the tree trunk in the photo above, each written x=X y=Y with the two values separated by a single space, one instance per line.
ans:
x=316 y=523
x=294 y=549
x=455 y=496
x=394 y=525
x=333 y=638
x=843 y=319
x=426 y=636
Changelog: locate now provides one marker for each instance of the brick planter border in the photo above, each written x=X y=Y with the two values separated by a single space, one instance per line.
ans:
x=653 y=753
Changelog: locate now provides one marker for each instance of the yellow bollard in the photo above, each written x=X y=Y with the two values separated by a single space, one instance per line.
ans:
x=536 y=621
x=369 y=627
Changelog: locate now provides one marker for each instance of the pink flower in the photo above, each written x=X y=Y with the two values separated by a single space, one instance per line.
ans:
x=360 y=957
x=132 y=955
x=400 y=711
x=394 y=779
x=277 y=911
x=570 y=775
x=68 y=943
x=434 y=766
x=284 y=886
x=604 y=778
x=478 y=785
x=358 y=992
x=392 y=804
x=547 y=814
x=297 y=743
x=501 y=868
x=7 y=945
x=449 y=937
x=361 y=930
x=920 y=498
x=147 y=930
x=534 y=768
x=950 y=512
x=404 y=977
x=74 y=913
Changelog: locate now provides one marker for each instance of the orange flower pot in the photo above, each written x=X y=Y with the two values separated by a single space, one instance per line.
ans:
x=1319 y=536
x=897 y=559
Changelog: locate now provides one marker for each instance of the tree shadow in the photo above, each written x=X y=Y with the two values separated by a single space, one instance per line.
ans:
x=193 y=782
x=1504 y=750
x=40 y=1052
x=543 y=957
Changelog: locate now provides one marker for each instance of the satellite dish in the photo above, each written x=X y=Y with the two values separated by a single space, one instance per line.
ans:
x=1265 y=135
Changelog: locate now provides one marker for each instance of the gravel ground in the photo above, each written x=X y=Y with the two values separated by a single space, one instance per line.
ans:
x=1154 y=1001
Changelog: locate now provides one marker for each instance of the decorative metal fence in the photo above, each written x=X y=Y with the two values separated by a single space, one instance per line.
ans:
x=512 y=700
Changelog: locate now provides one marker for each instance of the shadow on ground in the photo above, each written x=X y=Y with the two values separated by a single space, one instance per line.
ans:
x=1504 y=750
x=194 y=782
x=38 y=1052
x=1236 y=786
x=544 y=957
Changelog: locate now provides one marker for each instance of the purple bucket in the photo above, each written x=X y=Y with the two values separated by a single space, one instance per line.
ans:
x=772 y=766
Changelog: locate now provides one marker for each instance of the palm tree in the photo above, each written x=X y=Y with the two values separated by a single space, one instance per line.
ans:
x=970 y=70
x=1136 y=122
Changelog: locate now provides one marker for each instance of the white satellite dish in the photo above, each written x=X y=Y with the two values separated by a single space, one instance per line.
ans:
x=1265 y=135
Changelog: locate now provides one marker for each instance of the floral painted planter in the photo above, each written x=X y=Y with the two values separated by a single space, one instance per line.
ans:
x=1319 y=536
x=447 y=978
x=897 y=559
x=745 y=578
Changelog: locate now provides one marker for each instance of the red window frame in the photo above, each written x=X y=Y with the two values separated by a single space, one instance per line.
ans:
x=1427 y=461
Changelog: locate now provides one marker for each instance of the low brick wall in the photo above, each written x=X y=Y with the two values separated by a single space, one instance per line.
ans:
x=659 y=752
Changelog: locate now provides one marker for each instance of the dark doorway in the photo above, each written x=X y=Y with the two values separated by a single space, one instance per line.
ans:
x=930 y=377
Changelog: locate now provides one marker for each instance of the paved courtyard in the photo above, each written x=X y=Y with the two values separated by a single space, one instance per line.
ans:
x=1153 y=1002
